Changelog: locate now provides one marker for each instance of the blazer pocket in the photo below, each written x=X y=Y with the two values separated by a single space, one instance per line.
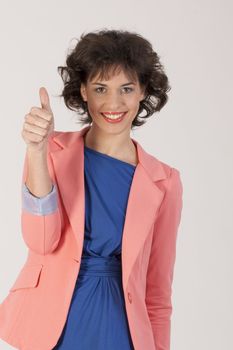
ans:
x=28 y=277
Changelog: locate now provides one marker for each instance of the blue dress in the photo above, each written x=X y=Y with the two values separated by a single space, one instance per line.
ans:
x=97 y=316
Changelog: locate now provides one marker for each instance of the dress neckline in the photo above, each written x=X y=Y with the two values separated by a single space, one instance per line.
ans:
x=108 y=156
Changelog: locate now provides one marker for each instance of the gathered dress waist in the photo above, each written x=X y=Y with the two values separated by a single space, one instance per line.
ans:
x=100 y=266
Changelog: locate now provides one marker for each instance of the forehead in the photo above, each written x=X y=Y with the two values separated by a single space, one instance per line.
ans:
x=113 y=74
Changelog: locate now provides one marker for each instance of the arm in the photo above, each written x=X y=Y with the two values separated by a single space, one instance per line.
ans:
x=162 y=260
x=41 y=229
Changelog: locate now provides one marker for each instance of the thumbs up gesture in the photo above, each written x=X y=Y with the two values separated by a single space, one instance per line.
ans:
x=38 y=124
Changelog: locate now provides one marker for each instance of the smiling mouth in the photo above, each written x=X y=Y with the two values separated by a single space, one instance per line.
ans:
x=114 y=116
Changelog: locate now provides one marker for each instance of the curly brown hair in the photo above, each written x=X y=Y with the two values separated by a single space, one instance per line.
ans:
x=102 y=51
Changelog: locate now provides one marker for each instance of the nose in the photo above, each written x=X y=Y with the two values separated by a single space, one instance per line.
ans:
x=114 y=102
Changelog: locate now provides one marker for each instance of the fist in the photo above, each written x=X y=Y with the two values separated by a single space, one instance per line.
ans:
x=38 y=124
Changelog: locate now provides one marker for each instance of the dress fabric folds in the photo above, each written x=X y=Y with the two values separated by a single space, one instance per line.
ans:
x=97 y=316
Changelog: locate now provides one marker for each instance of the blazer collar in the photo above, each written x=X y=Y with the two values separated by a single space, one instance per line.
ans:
x=154 y=167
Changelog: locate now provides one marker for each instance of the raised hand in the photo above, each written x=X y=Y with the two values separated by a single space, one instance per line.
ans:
x=38 y=124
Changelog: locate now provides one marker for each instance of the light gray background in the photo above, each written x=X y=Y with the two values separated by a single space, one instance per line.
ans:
x=193 y=133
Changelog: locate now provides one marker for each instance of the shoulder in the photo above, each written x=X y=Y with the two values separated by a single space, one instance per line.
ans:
x=169 y=169
x=171 y=185
x=66 y=134
x=58 y=138
x=165 y=176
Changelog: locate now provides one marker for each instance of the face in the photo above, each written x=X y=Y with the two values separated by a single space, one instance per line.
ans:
x=119 y=95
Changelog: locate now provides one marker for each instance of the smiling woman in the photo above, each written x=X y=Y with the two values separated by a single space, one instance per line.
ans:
x=102 y=230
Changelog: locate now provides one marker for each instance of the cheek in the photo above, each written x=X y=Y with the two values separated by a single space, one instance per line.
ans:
x=132 y=100
x=133 y=104
x=94 y=105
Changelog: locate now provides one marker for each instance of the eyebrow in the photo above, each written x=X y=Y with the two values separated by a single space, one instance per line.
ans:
x=130 y=83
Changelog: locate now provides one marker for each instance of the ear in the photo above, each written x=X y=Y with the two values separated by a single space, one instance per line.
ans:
x=83 y=92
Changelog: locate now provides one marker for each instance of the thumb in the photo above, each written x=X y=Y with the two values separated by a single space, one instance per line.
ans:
x=44 y=99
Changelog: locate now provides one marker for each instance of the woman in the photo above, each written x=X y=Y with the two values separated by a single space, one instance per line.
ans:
x=99 y=214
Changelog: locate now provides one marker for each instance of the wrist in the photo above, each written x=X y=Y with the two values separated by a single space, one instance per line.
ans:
x=37 y=152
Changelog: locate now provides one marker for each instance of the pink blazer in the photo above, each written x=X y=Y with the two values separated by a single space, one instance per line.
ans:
x=34 y=312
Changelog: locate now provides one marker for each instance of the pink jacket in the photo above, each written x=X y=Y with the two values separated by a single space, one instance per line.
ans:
x=34 y=312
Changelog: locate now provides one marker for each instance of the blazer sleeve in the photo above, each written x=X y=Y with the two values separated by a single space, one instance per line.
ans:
x=41 y=228
x=39 y=205
x=162 y=260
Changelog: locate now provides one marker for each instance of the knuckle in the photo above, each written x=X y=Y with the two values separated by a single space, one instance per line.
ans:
x=48 y=117
x=40 y=138
x=33 y=109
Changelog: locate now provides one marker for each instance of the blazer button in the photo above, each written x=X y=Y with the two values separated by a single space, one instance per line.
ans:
x=129 y=297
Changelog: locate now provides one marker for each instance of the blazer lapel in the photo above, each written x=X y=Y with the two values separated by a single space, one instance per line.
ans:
x=144 y=197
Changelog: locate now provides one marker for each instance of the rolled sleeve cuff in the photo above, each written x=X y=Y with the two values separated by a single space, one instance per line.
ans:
x=39 y=205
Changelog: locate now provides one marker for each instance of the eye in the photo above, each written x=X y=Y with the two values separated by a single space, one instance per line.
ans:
x=128 y=89
x=97 y=89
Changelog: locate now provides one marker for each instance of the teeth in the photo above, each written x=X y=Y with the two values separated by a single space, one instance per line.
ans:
x=113 y=116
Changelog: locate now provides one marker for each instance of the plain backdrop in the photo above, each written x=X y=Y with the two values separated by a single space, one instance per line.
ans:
x=193 y=133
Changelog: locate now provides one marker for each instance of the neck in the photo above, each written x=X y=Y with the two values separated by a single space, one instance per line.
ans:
x=119 y=146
